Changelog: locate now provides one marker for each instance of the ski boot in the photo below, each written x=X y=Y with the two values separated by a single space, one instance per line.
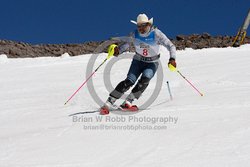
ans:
x=127 y=106
x=104 y=110
x=109 y=105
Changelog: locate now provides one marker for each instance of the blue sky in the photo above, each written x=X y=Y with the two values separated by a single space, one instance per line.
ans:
x=75 y=21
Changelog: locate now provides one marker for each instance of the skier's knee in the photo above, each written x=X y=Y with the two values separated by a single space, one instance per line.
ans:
x=128 y=83
x=144 y=80
x=140 y=87
x=121 y=88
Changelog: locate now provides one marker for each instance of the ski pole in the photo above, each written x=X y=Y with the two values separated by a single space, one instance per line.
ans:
x=172 y=68
x=171 y=97
x=110 y=53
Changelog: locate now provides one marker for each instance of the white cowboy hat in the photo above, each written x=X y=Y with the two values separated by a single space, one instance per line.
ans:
x=142 y=18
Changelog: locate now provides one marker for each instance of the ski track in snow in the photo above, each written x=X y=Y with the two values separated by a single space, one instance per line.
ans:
x=37 y=130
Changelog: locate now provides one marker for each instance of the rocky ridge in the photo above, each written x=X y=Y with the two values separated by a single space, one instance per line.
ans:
x=20 y=49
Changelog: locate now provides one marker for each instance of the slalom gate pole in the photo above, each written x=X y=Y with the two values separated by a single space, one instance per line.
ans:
x=170 y=94
x=110 y=54
x=85 y=82
x=172 y=68
x=190 y=83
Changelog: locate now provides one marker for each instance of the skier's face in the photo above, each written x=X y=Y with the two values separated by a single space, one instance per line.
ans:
x=143 y=28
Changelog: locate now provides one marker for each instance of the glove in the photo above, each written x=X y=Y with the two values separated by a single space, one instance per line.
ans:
x=116 y=51
x=172 y=62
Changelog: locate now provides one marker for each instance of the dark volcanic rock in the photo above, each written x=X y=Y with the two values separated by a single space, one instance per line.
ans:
x=205 y=40
x=180 y=37
x=20 y=49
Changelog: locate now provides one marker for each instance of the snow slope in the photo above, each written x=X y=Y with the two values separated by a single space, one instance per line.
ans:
x=37 y=130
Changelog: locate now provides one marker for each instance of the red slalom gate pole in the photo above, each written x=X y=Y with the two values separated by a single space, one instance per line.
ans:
x=172 y=68
x=111 y=51
x=79 y=88
x=85 y=82
x=190 y=83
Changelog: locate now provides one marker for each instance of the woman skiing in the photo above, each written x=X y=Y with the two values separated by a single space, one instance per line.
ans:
x=147 y=41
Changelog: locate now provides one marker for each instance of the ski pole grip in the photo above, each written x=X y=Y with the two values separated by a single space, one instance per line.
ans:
x=171 y=67
x=111 y=50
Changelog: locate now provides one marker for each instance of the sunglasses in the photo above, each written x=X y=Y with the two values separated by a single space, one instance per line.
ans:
x=142 y=25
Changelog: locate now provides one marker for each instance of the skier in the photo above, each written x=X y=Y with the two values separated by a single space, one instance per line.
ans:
x=146 y=40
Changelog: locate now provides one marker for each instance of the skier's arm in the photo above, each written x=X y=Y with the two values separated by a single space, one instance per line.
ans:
x=163 y=40
x=118 y=49
x=123 y=48
x=126 y=41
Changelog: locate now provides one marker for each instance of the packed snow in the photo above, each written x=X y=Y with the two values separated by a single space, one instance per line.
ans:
x=38 y=130
x=3 y=59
